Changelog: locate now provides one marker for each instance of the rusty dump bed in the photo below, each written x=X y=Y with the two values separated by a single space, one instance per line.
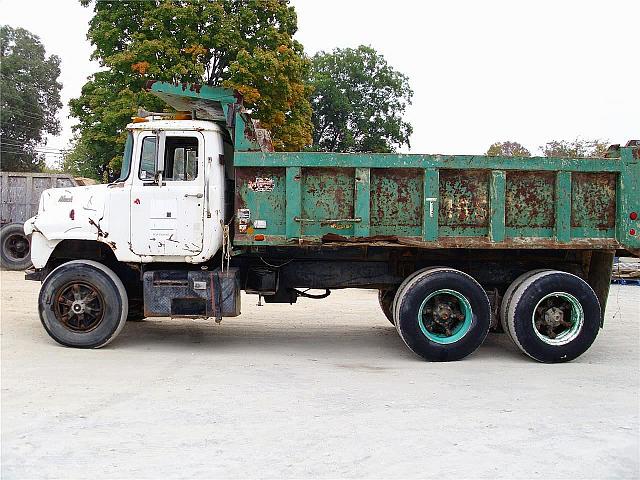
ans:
x=427 y=201
x=438 y=201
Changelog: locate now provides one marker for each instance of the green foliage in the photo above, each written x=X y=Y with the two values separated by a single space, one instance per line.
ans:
x=575 y=149
x=358 y=102
x=508 y=149
x=265 y=79
x=30 y=99
x=243 y=44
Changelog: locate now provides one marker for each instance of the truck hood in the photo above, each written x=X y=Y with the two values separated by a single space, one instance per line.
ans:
x=73 y=212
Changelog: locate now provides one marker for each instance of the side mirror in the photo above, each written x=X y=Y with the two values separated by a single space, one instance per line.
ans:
x=160 y=141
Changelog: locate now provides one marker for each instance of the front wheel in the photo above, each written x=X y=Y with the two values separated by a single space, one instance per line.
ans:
x=443 y=314
x=83 y=304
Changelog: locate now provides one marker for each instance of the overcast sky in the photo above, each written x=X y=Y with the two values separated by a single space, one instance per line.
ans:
x=481 y=71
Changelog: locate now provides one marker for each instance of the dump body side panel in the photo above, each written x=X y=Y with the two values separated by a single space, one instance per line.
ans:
x=437 y=201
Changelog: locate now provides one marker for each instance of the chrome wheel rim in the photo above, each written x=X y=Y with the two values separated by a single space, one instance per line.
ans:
x=558 y=318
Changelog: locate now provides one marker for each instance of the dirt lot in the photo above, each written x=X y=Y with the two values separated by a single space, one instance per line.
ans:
x=318 y=389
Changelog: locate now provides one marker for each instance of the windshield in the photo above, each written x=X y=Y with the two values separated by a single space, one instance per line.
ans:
x=126 y=159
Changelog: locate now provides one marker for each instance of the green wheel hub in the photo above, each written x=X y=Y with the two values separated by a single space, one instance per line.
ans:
x=445 y=316
x=558 y=318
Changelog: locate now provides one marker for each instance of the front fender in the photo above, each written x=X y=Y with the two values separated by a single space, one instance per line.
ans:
x=41 y=247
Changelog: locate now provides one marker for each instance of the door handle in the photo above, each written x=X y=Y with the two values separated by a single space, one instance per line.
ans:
x=197 y=195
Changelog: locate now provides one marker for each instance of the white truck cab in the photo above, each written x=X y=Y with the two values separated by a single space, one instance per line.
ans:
x=170 y=191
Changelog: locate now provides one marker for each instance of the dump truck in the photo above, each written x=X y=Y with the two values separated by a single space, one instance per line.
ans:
x=19 y=197
x=456 y=245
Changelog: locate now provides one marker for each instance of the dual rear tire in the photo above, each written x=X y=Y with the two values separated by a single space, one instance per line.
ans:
x=551 y=316
x=443 y=314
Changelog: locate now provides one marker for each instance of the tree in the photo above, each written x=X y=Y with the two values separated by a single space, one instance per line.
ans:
x=30 y=99
x=358 y=102
x=508 y=149
x=243 y=44
x=575 y=149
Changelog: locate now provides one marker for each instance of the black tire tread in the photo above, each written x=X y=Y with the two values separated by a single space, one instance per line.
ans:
x=119 y=287
x=7 y=262
x=517 y=298
x=432 y=272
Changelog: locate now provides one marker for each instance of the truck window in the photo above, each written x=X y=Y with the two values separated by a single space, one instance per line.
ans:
x=148 y=159
x=126 y=159
x=181 y=159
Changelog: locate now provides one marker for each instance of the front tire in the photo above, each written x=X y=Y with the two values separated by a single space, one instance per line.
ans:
x=15 y=247
x=443 y=314
x=554 y=316
x=83 y=304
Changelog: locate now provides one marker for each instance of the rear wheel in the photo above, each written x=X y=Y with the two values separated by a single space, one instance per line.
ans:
x=15 y=247
x=385 y=298
x=508 y=295
x=401 y=288
x=83 y=304
x=443 y=314
x=554 y=316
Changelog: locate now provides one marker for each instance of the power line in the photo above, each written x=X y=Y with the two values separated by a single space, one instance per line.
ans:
x=44 y=147
x=15 y=150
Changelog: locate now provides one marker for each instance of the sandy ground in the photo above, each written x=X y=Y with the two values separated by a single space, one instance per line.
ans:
x=321 y=389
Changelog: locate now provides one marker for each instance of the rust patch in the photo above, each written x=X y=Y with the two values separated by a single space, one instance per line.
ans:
x=149 y=84
x=397 y=197
x=327 y=193
x=530 y=199
x=464 y=198
x=101 y=233
x=473 y=242
x=593 y=200
x=271 y=204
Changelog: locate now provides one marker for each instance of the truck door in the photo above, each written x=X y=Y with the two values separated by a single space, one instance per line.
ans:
x=167 y=211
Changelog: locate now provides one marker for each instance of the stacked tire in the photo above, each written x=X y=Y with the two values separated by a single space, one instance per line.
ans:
x=15 y=247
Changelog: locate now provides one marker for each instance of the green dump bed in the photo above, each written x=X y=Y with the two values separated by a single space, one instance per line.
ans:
x=438 y=201
x=427 y=201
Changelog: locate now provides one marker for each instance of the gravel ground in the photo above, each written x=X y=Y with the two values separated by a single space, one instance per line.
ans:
x=320 y=389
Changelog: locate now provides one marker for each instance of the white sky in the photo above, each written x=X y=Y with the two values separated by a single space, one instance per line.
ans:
x=481 y=71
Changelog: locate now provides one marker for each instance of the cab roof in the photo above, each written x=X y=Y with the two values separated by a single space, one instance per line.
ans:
x=199 y=125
